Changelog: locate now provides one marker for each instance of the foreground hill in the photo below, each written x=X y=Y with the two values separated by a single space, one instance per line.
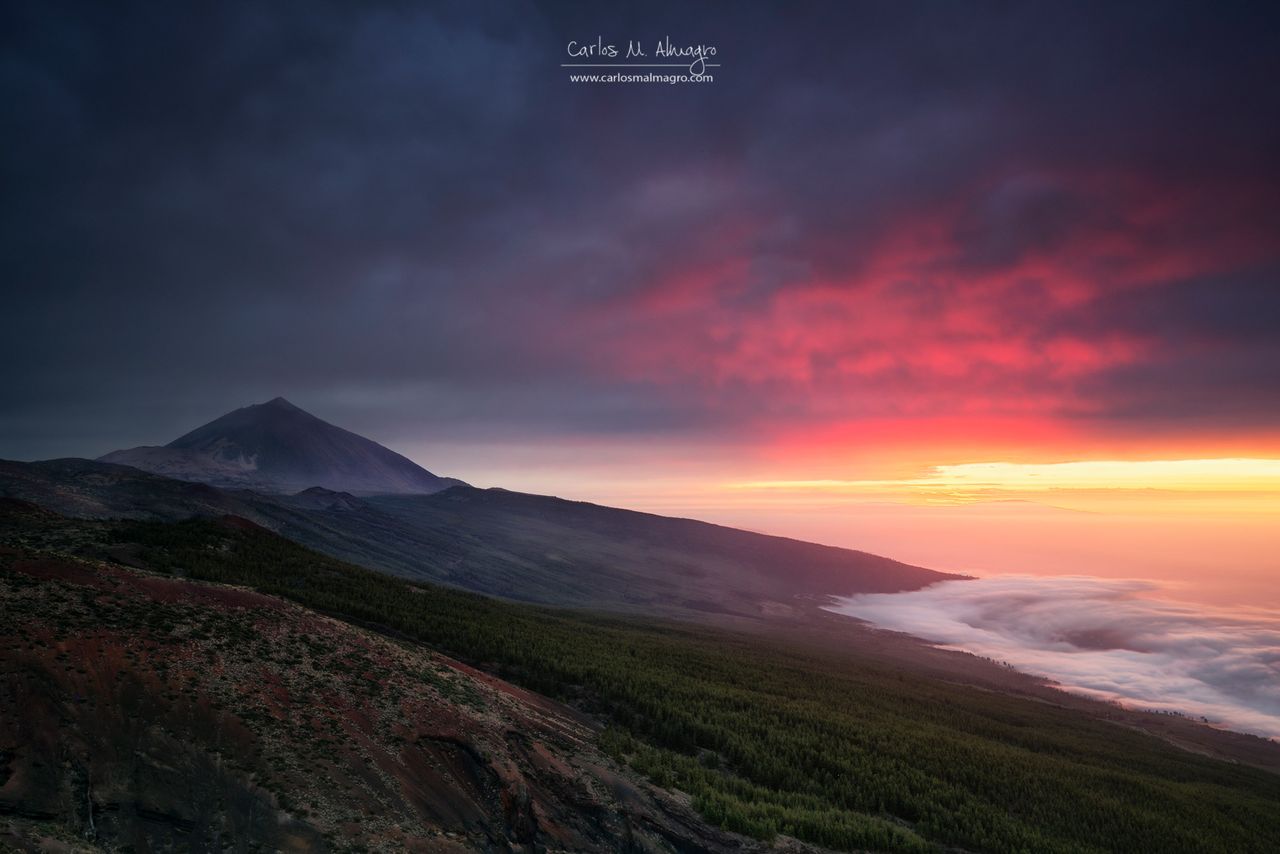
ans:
x=277 y=447
x=527 y=547
x=142 y=712
x=139 y=689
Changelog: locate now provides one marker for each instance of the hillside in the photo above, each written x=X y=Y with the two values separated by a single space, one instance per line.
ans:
x=494 y=540
x=526 y=547
x=142 y=712
x=763 y=734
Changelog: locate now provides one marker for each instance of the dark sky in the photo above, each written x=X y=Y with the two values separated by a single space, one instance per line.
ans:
x=406 y=218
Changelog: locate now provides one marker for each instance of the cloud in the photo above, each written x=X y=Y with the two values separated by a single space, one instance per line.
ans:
x=1036 y=212
x=1111 y=639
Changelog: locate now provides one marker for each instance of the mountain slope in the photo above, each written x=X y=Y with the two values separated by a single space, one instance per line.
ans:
x=277 y=447
x=96 y=490
x=494 y=540
x=763 y=733
x=526 y=547
x=149 y=712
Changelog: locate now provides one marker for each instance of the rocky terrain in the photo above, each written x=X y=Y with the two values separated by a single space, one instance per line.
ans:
x=149 y=713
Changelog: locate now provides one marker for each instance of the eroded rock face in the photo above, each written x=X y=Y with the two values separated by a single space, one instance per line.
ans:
x=163 y=714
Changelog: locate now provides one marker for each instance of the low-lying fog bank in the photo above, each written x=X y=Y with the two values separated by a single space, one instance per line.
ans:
x=1113 y=639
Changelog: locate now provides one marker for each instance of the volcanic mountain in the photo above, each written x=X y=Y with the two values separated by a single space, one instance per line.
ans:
x=344 y=495
x=277 y=447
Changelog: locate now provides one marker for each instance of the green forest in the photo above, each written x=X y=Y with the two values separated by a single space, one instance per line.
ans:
x=770 y=737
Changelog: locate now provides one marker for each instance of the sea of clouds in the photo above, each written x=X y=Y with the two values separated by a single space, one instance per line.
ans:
x=1114 y=639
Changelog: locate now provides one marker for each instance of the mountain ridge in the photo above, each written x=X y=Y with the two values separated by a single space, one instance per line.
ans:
x=342 y=494
x=529 y=548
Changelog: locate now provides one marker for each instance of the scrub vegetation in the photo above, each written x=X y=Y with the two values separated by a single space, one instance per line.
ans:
x=772 y=737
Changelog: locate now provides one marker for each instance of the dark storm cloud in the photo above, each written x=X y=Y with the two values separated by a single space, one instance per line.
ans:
x=407 y=214
x=1218 y=359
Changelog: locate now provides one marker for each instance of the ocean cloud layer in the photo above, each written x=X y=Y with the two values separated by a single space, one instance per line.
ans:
x=1111 y=639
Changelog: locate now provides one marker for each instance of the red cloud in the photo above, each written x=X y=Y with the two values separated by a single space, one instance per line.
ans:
x=987 y=306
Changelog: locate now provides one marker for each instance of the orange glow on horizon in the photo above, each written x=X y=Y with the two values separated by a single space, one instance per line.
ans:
x=1216 y=485
x=1202 y=525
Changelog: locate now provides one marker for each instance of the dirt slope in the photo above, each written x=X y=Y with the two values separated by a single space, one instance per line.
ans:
x=166 y=714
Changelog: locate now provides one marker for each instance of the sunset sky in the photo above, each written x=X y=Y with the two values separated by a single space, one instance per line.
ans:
x=994 y=286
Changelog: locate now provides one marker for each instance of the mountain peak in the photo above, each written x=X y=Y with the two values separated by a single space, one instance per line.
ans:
x=278 y=447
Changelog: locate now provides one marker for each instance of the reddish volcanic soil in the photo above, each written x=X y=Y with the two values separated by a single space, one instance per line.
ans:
x=166 y=714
